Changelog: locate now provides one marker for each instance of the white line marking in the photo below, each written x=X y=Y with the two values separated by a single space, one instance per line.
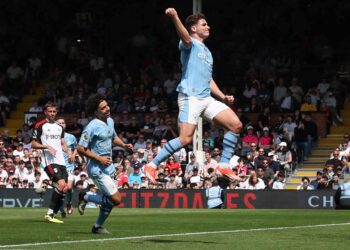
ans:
x=172 y=235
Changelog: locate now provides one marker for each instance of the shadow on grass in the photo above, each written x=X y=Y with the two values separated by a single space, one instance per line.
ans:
x=180 y=241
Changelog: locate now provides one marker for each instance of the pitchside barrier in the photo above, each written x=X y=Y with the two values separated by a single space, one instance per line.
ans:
x=145 y=198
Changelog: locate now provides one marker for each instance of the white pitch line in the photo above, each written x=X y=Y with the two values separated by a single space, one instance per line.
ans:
x=172 y=235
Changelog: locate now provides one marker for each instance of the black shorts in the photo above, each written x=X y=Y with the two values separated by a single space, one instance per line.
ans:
x=56 y=172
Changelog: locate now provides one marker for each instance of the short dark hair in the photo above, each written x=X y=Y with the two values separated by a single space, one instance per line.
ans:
x=50 y=105
x=192 y=20
x=92 y=103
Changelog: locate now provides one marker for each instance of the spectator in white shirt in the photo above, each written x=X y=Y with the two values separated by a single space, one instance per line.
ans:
x=279 y=184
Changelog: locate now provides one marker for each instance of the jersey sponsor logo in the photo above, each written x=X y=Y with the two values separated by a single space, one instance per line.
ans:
x=52 y=137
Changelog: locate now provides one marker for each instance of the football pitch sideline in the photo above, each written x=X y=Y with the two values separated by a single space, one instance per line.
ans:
x=179 y=229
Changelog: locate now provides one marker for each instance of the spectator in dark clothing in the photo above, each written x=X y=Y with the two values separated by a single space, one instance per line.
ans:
x=314 y=183
x=133 y=129
x=335 y=161
x=301 y=139
x=261 y=174
x=74 y=127
x=311 y=128
x=258 y=161
x=324 y=183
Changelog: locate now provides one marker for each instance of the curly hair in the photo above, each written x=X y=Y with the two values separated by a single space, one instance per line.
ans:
x=93 y=102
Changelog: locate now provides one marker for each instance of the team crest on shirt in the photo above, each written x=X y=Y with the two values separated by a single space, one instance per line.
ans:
x=85 y=137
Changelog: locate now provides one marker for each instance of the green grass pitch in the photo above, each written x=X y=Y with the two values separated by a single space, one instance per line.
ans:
x=179 y=229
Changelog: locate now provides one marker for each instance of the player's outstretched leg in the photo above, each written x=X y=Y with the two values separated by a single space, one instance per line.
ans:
x=169 y=148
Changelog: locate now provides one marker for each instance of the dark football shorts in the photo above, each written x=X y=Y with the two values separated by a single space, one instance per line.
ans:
x=56 y=172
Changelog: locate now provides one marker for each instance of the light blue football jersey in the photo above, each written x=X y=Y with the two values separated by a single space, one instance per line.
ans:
x=72 y=144
x=98 y=136
x=197 y=68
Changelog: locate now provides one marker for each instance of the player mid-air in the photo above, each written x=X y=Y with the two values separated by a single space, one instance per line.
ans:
x=196 y=90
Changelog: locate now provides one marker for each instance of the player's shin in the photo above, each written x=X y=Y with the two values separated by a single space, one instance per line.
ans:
x=230 y=141
x=57 y=200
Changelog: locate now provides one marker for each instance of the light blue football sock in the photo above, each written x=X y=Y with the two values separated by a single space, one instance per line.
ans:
x=103 y=215
x=230 y=141
x=169 y=148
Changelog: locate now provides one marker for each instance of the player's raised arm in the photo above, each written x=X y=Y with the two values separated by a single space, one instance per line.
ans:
x=216 y=92
x=180 y=28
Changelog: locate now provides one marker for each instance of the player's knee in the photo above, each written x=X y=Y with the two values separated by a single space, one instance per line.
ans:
x=186 y=140
x=236 y=127
x=116 y=199
x=61 y=186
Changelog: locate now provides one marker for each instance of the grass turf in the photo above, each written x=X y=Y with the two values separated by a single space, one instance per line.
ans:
x=27 y=226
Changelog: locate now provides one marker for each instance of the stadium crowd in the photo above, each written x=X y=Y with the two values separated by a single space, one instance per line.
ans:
x=141 y=90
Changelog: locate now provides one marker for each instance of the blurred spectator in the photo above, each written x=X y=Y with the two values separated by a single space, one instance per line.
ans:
x=331 y=103
x=216 y=154
x=263 y=121
x=314 y=183
x=144 y=182
x=21 y=170
x=15 y=75
x=3 y=174
x=253 y=182
x=279 y=184
x=161 y=179
x=335 y=160
x=140 y=142
x=289 y=126
x=208 y=163
x=305 y=184
x=207 y=140
x=280 y=91
x=308 y=106
x=5 y=108
x=172 y=164
x=289 y=103
x=135 y=176
x=323 y=87
x=248 y=139
x=301 y=138
x=148 y=127
x=121 y=175
x=19 y=150
x=190 y=166
x=324 y=183
x=73 y=127
x=35 y=108
x=296 y=90
x=284 y=156
x=258 y=161
x=311 y=128
x=265 y=140
x=195 y=179
x=171 y=184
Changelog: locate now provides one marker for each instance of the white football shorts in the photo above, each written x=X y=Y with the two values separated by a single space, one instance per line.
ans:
x=191 y=108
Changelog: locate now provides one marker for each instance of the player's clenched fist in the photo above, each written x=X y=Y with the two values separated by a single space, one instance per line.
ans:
x=170 y=12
